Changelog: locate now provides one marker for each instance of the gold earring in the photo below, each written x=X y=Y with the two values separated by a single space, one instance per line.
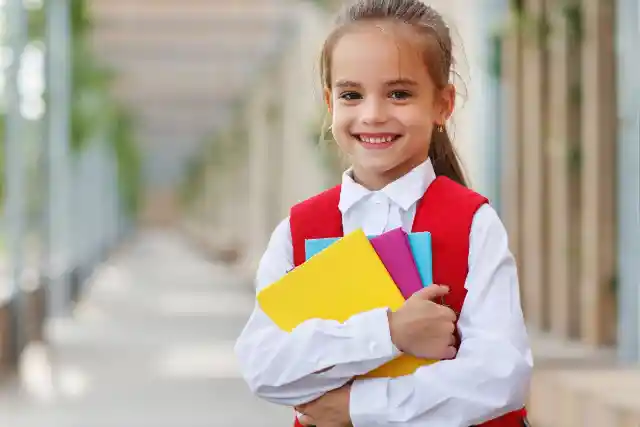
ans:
x=440 y=128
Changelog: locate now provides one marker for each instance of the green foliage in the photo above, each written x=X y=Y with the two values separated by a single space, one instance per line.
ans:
x=538 y=27
x=572 y=12
x=221 y=152
x=90 y=85
x=90 y=97
x=534 y=28
x=194 y=180
x=566 y=15
x=36 y=22
x=325 y=4
x=2 y=154
x=94 y=113
x=495 y=55
x=128 y=159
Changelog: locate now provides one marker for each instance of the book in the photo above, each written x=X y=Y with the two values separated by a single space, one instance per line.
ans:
x=395 y=253
x=345 y=279
x=420 y=244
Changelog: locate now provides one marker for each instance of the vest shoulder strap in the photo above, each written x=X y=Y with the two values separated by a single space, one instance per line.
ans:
x=315 y=218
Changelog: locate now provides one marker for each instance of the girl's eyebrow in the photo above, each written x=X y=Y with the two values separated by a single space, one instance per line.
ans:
x=341 y=84
x=346 y=83
x=402 y=82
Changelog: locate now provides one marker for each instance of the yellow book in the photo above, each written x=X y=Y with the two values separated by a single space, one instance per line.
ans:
x=344 y=279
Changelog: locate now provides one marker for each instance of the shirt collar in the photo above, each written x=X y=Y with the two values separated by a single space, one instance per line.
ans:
x=405 y=191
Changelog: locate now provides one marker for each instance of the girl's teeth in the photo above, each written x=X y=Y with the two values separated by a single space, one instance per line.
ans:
x=376 y=140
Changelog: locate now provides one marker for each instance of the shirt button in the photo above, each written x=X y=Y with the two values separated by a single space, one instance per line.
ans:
x=378 y=199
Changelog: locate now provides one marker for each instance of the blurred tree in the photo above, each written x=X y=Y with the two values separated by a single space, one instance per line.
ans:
x=224 y=150
x=3 y=117
x=95 y=115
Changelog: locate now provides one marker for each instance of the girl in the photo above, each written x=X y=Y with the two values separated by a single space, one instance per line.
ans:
x=385 y=71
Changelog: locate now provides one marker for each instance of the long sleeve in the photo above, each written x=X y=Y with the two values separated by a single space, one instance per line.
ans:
x=490 y=375
x=319 y=355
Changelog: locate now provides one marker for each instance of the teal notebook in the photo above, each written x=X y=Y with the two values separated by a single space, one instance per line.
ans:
x=420 y=244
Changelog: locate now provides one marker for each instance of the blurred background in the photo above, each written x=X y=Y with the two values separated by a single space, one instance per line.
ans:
x=151 y=146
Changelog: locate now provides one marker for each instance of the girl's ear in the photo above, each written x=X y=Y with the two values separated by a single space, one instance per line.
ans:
x=447 y=102
x=327 y=100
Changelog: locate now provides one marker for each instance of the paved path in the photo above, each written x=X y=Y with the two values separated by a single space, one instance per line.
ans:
x=151 y=346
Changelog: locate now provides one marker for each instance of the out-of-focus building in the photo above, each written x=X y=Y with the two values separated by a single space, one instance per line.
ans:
x=570 y=166
x=181 y=67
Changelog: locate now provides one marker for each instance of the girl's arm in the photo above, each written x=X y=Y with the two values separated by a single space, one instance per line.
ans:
x=491 y=373
x=318 y=356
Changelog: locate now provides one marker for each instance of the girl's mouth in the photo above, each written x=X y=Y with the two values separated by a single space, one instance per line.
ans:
x=377 y=140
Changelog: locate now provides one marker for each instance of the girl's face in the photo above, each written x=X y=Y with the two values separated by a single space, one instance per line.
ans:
x=383 y=102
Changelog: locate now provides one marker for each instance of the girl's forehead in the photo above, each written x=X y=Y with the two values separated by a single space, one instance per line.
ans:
x=377 y=50
x=383 y=33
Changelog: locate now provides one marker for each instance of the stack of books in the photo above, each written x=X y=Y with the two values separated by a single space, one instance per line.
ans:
x=353 y=274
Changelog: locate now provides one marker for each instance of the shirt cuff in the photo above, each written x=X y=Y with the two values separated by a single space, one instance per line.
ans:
x=369 y=348
x=368 y=406
x=374 y=333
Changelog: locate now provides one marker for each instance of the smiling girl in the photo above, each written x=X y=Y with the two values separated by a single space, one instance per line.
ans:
x=386 y=71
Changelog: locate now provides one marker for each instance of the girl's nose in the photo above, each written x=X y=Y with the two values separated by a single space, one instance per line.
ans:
x=374 y=111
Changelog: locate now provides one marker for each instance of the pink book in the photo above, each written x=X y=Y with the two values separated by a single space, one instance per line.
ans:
x=395 y=253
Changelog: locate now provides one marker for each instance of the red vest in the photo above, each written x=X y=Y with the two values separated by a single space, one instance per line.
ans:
x=446 y=210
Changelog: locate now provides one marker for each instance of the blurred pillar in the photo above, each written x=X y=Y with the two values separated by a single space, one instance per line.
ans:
x=562 y=213
x=15 y=161
x=275 y=154
x=598 y=171
x=512 y=128
x=110 y=192
x=80 y=217
x=628 y=39
x=305 y=116
x=258 y=131
x=534 y=123
x=58 y=78
x=490 y=17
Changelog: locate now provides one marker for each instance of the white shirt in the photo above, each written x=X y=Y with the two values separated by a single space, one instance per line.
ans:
x=490 y=375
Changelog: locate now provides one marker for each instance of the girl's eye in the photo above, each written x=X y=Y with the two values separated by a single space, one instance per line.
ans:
x=399 y=95
x=350 y=96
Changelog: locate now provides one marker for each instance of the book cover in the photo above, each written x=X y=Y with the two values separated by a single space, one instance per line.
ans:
x=393 y=249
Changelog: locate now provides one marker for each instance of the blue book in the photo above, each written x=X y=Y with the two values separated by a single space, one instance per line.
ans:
x=420 y=244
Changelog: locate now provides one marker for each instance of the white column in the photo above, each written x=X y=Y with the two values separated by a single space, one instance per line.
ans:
x=258 y=131
x=628 y=169
x=58 y=138
x=15 y=145
x=303 y=174
x=464 y=20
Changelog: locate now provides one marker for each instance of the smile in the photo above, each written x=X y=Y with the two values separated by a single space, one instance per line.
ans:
x=378 y=140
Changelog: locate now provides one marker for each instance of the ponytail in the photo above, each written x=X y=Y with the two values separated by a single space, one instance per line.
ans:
x=444 y=158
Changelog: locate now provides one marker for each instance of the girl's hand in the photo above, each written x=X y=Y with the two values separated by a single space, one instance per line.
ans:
x=424 y=328
x=329 y=410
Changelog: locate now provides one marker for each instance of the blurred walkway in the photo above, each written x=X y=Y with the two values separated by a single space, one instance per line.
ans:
x=150 y=346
